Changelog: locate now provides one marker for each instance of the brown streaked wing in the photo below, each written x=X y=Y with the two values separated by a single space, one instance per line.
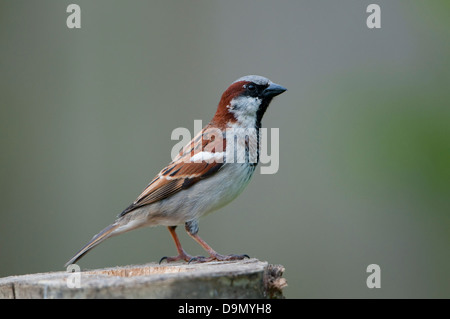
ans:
x=187 y=174
x=179 y=174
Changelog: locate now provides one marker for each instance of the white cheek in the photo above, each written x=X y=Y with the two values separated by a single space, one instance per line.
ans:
x=244 y=110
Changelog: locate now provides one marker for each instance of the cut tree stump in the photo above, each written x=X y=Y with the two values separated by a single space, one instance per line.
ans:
x=249 y=278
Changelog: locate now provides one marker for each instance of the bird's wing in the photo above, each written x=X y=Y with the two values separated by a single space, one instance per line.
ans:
x=199 y=159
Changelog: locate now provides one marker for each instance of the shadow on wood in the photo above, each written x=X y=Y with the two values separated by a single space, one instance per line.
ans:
x=249 y=278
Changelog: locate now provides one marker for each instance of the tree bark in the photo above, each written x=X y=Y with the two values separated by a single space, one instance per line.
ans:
x=249 y=278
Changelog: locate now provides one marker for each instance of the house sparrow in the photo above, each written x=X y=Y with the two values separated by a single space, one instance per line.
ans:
x=208 y=173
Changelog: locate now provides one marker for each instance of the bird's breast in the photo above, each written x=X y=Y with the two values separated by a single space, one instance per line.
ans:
x=205 y=196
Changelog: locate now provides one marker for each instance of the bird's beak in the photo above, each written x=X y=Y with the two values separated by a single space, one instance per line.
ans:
x=273 y=90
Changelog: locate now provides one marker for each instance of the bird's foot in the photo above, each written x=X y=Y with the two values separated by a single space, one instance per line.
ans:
x=201 y=259
x=218 y=257
x=182 y=256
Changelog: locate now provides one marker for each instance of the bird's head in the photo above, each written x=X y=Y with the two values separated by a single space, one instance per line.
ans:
x=245 y=101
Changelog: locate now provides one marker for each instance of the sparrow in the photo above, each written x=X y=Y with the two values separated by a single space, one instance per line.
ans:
x=208 y=173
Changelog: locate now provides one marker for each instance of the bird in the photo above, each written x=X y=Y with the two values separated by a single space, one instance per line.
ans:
x=205 y=175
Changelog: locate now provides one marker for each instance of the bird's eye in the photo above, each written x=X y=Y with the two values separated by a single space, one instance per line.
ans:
x=251 y=87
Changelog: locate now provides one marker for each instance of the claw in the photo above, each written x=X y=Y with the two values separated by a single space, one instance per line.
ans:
x=182 y=256
x=198 y=259
x=202 y=259
x=230 y=257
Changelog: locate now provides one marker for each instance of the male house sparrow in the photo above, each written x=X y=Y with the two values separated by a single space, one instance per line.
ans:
x=206 y=175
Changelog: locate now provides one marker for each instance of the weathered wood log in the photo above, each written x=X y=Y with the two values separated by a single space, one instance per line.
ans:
x=249 y=278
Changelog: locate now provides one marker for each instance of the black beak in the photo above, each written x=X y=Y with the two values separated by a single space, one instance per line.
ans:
x=273 y=90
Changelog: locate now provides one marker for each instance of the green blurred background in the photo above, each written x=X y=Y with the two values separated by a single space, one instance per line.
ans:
x=87 y=114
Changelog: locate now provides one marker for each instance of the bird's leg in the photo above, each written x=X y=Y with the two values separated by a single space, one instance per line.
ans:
x=181 y=253
x=192 y=230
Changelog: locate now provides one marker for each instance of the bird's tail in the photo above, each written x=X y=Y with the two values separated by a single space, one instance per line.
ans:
x=97 y=239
